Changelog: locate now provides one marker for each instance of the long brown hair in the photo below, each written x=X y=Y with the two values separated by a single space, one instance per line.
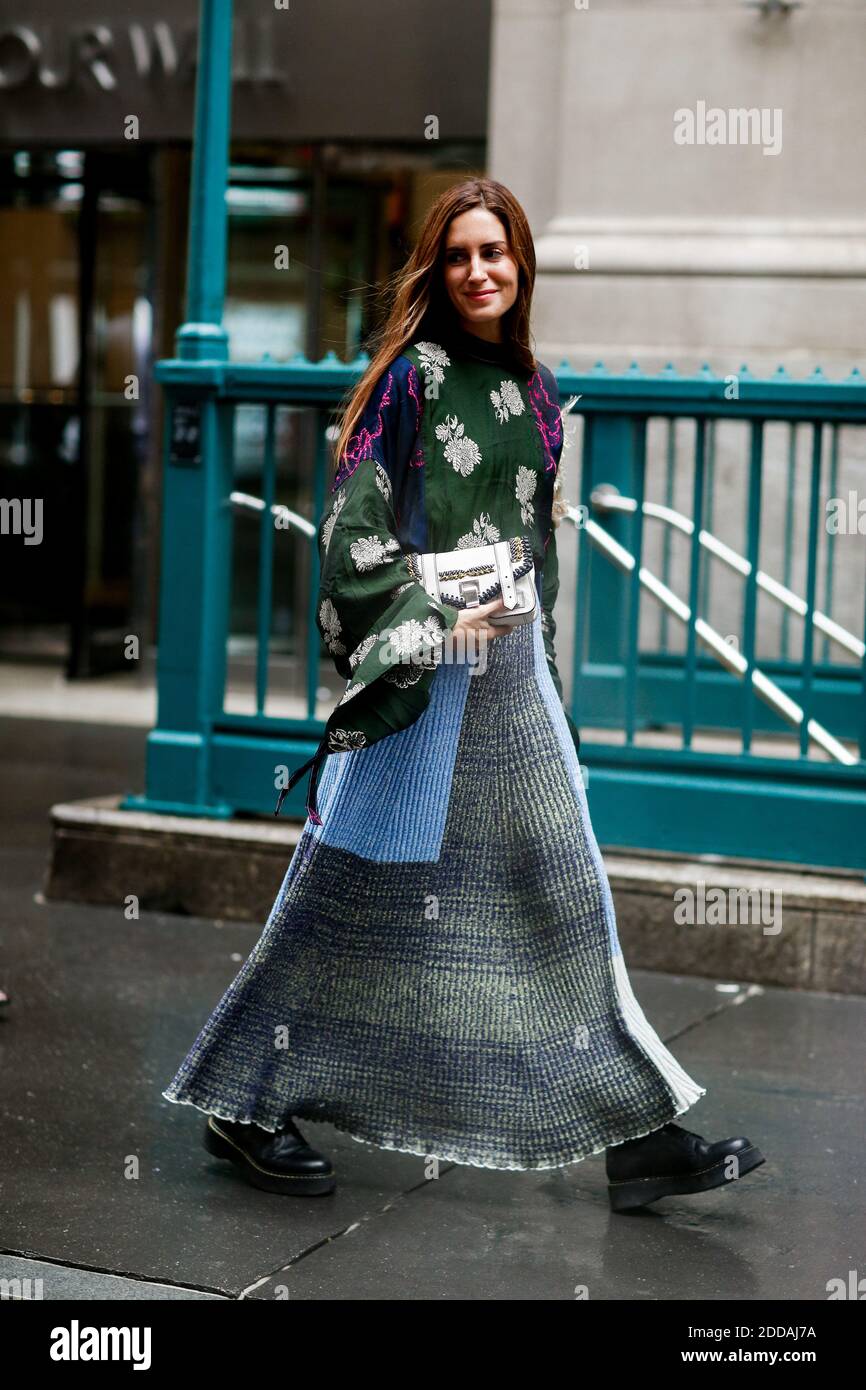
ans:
x=419 y=301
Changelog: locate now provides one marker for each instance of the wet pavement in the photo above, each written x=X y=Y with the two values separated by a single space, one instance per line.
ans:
x=107 y=1193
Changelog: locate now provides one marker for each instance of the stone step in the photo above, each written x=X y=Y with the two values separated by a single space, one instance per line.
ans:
x=719 y=918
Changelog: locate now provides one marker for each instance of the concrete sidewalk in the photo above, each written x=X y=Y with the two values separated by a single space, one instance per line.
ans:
x=107 y=1193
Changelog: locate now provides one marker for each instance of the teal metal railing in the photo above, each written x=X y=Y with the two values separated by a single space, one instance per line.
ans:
x=803 y=803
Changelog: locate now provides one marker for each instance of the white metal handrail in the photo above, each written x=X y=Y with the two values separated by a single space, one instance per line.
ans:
x=607 y=498
x=728 y=656
x=294 y=520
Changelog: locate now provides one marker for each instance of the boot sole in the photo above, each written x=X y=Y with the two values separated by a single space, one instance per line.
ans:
x=637 y=1192
x=288 y=1184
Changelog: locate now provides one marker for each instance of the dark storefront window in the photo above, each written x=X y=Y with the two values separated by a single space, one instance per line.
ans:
x=40 y=200
x=74 y=367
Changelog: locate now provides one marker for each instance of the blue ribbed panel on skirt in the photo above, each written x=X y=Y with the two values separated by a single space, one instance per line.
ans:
x=367 y=803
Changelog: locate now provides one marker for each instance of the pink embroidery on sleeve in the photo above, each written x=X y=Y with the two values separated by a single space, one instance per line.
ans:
x=360 y=446
x=414 y=388
x=547 y=418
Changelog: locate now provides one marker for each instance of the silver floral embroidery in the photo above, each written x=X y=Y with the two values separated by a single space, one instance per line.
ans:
x=525 y=491
x=507 y=401
x=352 y=690
x=401 y=588
x=332 y=627
x=369 y=551
x=461 y=451
x=383 y=482
x=433 y=360
x=483 y=533
x=545 y=621
x=344 y=740
x=413 y=638
x=362 y=649
x=331 y=518
x=405 y=674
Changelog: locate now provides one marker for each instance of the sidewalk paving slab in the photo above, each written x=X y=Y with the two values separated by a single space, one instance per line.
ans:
x=104 y=1009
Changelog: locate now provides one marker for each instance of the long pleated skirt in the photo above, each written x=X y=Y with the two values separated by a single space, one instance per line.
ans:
x=440 y=972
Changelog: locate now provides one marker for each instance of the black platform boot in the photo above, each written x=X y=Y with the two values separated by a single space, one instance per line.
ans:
x=282 y=1162
x=671 y=1161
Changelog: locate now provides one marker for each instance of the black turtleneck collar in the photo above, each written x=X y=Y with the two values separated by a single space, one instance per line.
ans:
x=457 y=339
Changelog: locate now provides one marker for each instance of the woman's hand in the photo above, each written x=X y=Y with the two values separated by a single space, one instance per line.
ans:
x=474 y=621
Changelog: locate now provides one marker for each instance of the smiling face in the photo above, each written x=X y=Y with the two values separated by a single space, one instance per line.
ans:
x=481 y=275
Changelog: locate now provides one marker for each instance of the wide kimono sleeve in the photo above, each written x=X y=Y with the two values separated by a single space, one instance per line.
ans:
x=380 y=626
x=549 y=593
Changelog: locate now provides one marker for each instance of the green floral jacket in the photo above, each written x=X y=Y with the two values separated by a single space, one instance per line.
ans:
x=458 y=446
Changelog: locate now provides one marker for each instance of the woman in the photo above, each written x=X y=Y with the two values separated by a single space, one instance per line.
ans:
x=440 y=972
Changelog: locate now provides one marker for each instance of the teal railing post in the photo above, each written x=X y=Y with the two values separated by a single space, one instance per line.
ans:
x=197 y=469
x=613 y=454
x=203 y=335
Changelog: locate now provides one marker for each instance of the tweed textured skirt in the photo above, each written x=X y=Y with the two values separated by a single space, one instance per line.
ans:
x=440 y=972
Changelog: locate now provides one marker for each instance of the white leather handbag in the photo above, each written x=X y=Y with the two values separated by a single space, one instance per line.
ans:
x=479 y=574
